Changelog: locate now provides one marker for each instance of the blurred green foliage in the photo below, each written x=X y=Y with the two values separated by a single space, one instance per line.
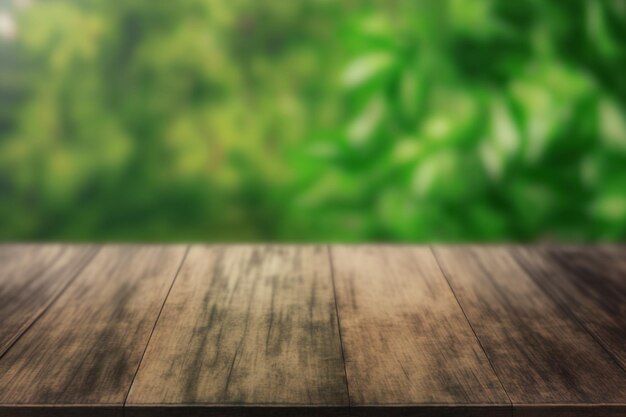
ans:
x=313 y=120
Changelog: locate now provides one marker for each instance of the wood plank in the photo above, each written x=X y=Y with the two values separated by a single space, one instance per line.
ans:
x=87 y=346
x=589 y=283
x=406 y=340
x=31 y=277
x=542 y=356
x=245 y=325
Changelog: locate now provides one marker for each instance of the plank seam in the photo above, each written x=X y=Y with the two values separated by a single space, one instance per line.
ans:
x=564 y=308
x=343 y=356
x=52 y=301
x=156 y=322
x=445 y=276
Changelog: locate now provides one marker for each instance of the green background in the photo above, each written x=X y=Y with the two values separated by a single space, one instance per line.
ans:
x=313 y=120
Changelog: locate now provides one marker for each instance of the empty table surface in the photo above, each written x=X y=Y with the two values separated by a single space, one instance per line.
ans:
x=312 y=330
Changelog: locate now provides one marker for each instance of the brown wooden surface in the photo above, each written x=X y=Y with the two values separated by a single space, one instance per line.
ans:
x=405 y=339
x=86 y=347
x=588 y=282
x=247 y=325
x=290 y=330
x=541 y=354
x=31 y=277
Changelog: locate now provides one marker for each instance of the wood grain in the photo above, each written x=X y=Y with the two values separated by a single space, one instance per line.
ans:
x=87 y=346
x=541 y=355
x=253 y=330
x=589 y=283
x=31 y=277
x=405 y=338
x=246 y=325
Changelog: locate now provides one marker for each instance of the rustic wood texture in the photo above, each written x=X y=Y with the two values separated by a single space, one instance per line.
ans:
x=246 y=325
x=589 y=283
x=540 y=353
x=31 y=277
x=312 y=331
x=405 y=338
x=87 y=346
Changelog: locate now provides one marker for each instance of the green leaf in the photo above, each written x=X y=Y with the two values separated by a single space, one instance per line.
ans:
x=366 y=68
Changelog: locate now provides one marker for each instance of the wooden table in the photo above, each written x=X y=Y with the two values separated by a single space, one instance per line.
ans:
x=156 y=330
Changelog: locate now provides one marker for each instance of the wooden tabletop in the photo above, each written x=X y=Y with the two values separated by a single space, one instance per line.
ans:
x=296 y=330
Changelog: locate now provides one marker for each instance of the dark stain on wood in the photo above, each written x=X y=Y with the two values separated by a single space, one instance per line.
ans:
x=587 y=282
x=257 y=330
x=246 y=325
x=87 y=346
x=540 y=353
